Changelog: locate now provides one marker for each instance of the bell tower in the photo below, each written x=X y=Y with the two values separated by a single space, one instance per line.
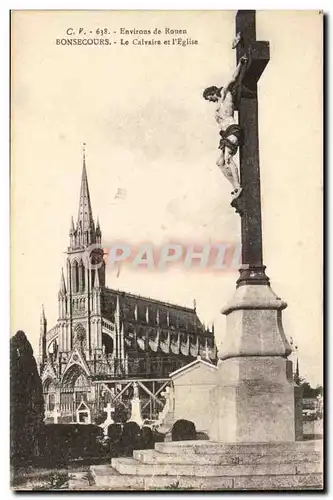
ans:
x=80 y=291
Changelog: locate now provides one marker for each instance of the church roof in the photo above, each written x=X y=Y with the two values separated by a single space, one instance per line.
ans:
x=149 y=311
x=150 y=300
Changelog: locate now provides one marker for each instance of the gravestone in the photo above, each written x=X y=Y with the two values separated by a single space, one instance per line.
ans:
x=108 y=421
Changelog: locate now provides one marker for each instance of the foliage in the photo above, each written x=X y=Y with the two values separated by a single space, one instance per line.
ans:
x=308 y=391
x=147 y=438
x=66 y=441
x=39 y=480
x=100 y=417
x=131 y=437
x=27 y=403
x=54 y=482
x=114 y=432
x=121 y=413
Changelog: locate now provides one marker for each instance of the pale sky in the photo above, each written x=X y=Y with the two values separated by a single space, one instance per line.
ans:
x=148 y=130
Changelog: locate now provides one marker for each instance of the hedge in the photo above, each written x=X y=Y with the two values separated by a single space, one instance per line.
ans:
x=183 y=430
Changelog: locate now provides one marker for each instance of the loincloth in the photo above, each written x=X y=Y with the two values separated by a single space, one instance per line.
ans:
x=235 y=130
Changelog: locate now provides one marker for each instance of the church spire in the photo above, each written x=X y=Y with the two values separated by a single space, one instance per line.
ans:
x=97 y=282
x=98 y=232
x=72 y=229
x=85 y=218
x=42 y=315
x=84 y=234
x=42 y=339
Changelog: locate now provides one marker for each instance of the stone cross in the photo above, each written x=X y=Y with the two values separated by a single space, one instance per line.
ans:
x=248 y=205
x=168 y=395
x=108 y=409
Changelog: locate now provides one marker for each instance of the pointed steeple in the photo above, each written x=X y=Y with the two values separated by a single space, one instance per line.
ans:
x=62 y=288
x=42 y=315
x=42 y=339
x=98 y=232
x=117 y=312
x=85 y=217
x=97 y=283
x=117 y=327
x=72 y=229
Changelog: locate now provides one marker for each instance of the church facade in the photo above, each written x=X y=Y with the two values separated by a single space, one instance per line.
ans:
x=103 y=334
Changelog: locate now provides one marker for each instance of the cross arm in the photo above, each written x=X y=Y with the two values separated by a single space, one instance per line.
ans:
x=258 y=54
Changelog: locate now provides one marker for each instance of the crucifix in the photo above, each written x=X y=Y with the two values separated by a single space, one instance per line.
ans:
x=240 y=93
x=248 y=205
x=255 y=347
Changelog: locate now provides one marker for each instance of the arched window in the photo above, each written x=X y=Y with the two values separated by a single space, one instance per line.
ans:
x=107 y=343
x=76 y=385
x=81 y=388
x=75 y=277
x=53 y=349
x=82 y=277
x=49 y=392
x=80 y=336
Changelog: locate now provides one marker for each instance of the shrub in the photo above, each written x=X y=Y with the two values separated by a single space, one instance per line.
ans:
x=130 y=438
x=158 y=437
x=58 y=442
x=100 y=417
x=89 y=439
x=64 y=441
x=121 y=413
x=147 y=438
x=114 y=432
x=202 y=436
x=27 y=403
x=183 y=430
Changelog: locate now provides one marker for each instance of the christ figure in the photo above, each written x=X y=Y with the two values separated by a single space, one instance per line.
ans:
x=230 y=131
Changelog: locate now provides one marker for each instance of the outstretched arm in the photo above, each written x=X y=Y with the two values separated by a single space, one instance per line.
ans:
x=236 y=77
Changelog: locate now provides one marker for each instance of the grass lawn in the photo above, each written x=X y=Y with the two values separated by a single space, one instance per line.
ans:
x=52 y=477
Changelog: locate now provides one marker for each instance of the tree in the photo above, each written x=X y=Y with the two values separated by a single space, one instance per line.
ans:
x=27 y=403
x=308 y=391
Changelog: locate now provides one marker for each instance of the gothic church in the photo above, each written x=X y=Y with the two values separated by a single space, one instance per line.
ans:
x=107 y=334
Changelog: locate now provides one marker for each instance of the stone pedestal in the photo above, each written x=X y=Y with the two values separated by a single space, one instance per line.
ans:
x=254 y=397
x=205 y=465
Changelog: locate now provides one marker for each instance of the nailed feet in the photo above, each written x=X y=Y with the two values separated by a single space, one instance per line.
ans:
x=236 y=193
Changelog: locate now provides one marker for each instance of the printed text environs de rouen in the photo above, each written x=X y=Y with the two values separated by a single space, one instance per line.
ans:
x=123 y=37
